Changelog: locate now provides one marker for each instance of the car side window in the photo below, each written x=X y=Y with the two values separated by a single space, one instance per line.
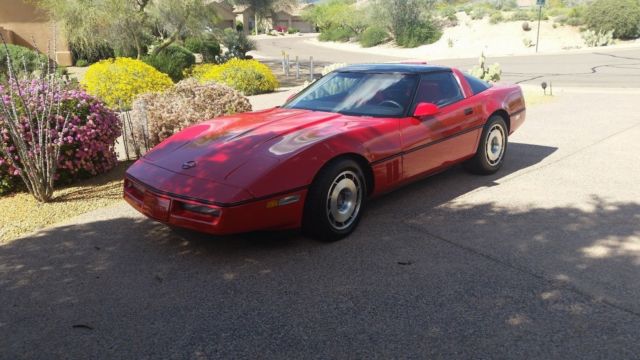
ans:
x=477 y=85
x=439 y=88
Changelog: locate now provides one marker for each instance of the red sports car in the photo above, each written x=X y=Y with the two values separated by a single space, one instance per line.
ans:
x=358 y=132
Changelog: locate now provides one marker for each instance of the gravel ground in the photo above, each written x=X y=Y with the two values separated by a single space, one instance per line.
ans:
x=22 y=214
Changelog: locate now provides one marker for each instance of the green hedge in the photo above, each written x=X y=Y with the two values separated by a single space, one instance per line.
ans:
x=373 y=36
x=621 y=16
x=173 y=61
x=22 y=59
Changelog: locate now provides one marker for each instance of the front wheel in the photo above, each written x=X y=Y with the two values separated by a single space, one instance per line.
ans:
x=491 y=149
x=335 y=201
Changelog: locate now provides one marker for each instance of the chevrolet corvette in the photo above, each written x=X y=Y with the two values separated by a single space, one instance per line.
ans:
x=356 y=133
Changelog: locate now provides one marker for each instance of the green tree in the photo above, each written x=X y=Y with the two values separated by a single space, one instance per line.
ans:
x=620 y=16
x=335 y=14
x=129 y=26
x=179 y=18
x=92 y=24
x=409 y=21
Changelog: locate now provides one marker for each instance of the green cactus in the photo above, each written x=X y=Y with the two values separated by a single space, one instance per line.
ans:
x=600 y=38
x=490 y=73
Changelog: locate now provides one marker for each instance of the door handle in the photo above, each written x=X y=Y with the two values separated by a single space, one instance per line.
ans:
x=468 y=111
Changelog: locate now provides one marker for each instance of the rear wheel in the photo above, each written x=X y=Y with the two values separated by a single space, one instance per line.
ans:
x=491 y=149
x=335 y=201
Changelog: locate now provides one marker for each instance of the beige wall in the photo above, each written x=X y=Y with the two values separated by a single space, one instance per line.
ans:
x=23 y=24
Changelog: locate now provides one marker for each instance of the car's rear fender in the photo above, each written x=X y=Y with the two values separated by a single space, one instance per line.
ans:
x=506 y=101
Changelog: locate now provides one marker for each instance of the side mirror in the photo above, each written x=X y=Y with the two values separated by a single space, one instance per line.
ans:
x=426 y=109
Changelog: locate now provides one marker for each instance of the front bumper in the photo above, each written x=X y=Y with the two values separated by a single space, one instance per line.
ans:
x=277 y=212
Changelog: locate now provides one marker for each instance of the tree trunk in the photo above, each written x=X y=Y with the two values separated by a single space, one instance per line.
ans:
x=170 y=40
x=255 y=14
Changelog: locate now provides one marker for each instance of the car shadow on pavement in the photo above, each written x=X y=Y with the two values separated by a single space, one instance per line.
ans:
x=418 y=277
x=454 y=182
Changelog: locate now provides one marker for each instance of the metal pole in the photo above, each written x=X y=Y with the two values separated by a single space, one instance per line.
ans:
x=539 y=17
x=288 y=66
x=283 y=60
x=297 y=69
x=311 y=68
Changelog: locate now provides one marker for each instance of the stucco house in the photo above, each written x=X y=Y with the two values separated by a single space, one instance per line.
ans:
x=286 y=18
x=225 y=12
x=21 y=23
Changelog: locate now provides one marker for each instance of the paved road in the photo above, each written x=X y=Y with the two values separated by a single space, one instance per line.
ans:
x=608 y=68
x=540 y=261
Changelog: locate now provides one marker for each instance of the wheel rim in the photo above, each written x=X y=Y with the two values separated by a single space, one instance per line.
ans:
x=343 y=200
x=495 y=145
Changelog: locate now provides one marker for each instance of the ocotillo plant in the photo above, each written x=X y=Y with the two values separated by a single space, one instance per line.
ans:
x=33 y=122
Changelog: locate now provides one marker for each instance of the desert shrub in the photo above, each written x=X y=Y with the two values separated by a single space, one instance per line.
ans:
x=336 y=34
x=173 y=61
x=620 y=16
x=425 y=32
x=118 y=81
x=496 y=17
x=490 y=73
x=248 y=76
x=185 y=104
x=373 y=36
x=93 y=53
x=575 y=16
x=23 y=60
x=479 y=12
x=526 y=26
x=558 y=11
x=504 y=5
x=237 y=44
x=239 y=26
x=593 y=38
x=87 y=140
x=293 y=31
x=82 y=63
x=209 y=48
x=527 y=42
x=448 y=13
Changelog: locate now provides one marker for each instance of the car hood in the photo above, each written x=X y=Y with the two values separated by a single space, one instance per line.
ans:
x=214 y=149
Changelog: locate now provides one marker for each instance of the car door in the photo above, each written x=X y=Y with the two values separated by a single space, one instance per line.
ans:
x=433 y=142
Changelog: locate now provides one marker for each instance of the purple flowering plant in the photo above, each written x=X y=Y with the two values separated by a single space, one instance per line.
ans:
x=86 y=135
x=50 y=132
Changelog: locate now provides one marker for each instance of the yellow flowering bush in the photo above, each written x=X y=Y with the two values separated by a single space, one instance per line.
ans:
x=248 y=76
x=118 y=81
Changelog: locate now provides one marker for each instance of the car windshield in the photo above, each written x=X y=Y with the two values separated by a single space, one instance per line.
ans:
x=359 y=93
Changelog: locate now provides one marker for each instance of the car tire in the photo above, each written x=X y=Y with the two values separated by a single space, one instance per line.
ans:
x=492 y=148
x=335 y=201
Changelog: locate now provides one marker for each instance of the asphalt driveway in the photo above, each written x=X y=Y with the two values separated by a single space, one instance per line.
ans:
x=541 y=260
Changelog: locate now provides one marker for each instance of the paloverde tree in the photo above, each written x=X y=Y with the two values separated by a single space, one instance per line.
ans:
x=409 y=21
x=129 y=26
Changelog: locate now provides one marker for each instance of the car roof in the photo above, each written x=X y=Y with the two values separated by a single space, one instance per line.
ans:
x=393 y=68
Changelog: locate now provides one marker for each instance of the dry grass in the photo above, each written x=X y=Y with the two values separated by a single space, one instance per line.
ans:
x=534 y=96
x=22 y=214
